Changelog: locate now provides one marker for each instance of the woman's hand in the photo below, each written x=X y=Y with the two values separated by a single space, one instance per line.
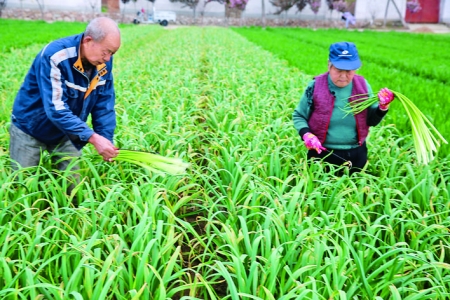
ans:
x=312 y=142
x=386 y=97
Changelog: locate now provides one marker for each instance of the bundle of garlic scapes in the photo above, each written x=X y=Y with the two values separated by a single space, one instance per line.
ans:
x=426 y=137
x=153 y=162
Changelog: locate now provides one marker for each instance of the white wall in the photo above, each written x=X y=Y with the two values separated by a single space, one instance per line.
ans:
x=79 y=5
x=445 y=11
x=365 y=10
x=254 y=7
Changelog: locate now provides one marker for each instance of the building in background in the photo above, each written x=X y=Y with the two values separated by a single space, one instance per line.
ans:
x=433 y=11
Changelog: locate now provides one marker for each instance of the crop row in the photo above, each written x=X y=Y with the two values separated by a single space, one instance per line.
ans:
x=248 y=220
x=421 y=55
x=16 y=34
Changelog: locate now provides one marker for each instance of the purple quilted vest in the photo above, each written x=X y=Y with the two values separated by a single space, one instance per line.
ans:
x=324 y=103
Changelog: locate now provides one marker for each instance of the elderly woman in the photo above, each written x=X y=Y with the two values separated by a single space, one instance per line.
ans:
x=327 y=130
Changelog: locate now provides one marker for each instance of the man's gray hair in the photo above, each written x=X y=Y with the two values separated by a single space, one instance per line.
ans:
x=99 y=27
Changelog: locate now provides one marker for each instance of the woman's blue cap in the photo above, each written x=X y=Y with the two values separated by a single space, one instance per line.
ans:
x=344 y=56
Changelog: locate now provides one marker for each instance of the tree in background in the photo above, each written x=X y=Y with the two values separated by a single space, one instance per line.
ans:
x=338 y=5
x=315 y=5
x=285 y=5
x=192 y=4
x=413 y=6
x=233 y=8
x=342 y=5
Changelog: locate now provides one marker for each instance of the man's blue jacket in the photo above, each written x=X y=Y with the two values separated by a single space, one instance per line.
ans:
x=56 y=97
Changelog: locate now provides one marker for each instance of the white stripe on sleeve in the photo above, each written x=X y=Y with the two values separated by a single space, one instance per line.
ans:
x=55 y=75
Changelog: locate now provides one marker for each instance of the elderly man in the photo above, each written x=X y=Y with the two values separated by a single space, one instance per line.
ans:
x=70 y=79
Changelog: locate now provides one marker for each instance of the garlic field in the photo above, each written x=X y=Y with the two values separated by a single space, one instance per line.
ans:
x=250 y=219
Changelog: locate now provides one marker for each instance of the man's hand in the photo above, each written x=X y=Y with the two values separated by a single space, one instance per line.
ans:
x=386 y=97
x=104 y=147
x=312 y=142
